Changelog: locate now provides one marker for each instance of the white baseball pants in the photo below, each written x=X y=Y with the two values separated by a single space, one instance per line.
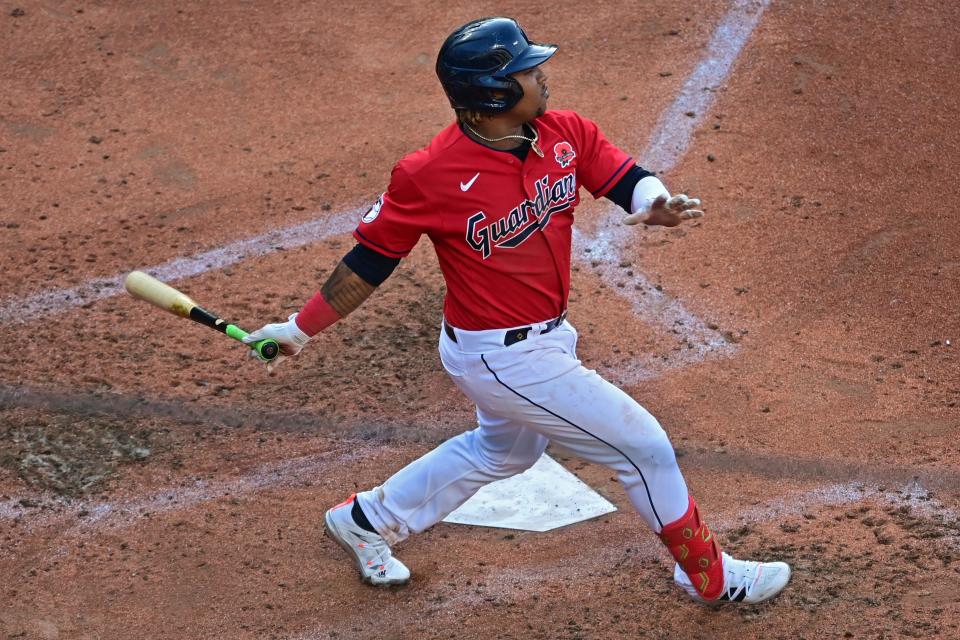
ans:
x=527 y=395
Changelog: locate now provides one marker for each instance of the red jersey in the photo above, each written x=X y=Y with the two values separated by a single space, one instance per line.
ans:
x=501 y=227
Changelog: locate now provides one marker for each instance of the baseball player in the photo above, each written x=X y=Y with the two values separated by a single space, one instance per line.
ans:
x=495 y=193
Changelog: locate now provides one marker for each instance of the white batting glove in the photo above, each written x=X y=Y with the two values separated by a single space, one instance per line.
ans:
x=287 y=334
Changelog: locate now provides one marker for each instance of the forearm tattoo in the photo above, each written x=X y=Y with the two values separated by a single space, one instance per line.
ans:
x=345 y=291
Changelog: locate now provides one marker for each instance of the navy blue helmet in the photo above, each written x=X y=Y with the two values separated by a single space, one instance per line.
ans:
x=476 y=60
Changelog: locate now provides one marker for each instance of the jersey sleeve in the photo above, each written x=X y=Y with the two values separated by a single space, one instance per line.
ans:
x=601 y=164
x=394 y=224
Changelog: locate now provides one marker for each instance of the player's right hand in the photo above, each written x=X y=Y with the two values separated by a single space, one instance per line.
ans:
x=287 y=334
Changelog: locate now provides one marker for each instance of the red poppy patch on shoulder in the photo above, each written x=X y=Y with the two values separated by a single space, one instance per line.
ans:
x=564 y=153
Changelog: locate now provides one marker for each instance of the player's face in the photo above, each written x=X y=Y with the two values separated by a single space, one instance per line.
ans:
x=535 y=93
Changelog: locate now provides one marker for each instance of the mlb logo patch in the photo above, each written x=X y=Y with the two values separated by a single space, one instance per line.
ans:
x=374 y=211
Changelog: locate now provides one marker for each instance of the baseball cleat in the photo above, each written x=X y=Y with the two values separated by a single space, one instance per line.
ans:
x=371 y=554
x=743 y=581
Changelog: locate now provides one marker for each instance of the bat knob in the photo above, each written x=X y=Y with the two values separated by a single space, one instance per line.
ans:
x=268 y=349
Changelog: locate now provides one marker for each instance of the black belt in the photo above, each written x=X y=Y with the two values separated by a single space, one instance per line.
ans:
x=513 y=336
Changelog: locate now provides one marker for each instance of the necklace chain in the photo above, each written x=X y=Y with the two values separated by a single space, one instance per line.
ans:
x=532 y=141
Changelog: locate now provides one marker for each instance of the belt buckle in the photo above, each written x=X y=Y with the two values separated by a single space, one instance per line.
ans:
x=519 y=335
x=556 y=322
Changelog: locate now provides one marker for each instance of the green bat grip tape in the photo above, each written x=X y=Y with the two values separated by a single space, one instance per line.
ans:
x=266 y=349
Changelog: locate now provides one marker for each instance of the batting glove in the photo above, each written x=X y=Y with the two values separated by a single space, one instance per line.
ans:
x=287 y=334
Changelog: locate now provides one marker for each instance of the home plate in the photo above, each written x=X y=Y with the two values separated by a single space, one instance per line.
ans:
x=543 y=497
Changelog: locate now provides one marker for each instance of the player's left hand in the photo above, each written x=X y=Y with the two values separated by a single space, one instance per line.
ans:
x=667 y=212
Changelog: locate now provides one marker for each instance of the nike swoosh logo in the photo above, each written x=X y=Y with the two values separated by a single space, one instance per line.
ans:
x=464 y=186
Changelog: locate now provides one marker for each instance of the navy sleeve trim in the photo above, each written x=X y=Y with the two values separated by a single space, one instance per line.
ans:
x=372 y=266
x=612 y=176
x=622 y=192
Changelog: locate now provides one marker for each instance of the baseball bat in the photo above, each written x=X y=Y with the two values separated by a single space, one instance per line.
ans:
x=146 y=287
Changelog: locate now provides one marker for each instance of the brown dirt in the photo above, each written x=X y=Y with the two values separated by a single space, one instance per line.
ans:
x=154 y=483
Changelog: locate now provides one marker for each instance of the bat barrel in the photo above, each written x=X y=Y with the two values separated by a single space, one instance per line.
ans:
x=160 y=294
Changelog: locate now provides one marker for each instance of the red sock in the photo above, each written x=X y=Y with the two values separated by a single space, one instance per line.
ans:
x=696 y=551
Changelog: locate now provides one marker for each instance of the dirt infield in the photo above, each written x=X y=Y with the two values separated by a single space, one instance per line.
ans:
x=799 y=343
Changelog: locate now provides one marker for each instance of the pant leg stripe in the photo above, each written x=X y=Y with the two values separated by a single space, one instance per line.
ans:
x=576 y=426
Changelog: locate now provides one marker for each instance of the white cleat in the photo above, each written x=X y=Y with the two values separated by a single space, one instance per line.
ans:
x=743 y=581
x=370 y=552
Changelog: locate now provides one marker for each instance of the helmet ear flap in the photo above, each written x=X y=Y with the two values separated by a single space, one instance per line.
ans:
x=483 y=94
x=514 y=94
x=498 y=93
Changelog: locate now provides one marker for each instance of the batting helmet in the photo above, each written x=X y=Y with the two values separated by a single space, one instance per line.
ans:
x=476 y=60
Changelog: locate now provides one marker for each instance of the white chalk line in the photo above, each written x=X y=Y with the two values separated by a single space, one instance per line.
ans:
x=20 y=310
x=672 y=134
x=607 y=248
x=655 y=307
